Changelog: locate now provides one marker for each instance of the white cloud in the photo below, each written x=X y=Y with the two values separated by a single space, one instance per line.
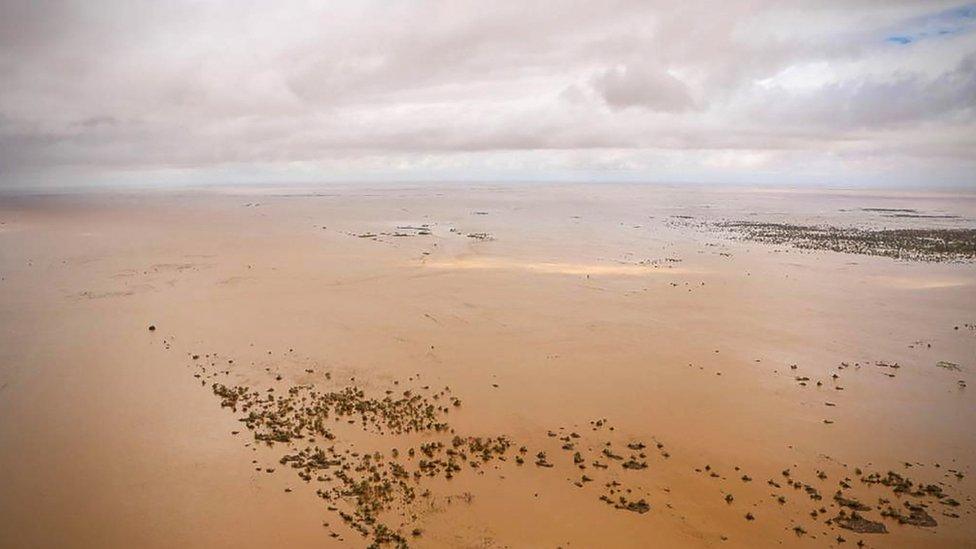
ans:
x=528 y=90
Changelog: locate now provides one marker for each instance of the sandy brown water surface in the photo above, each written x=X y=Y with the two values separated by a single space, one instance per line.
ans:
x=544 y=308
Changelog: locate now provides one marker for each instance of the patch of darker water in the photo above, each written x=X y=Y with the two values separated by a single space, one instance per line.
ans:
x=375 y=459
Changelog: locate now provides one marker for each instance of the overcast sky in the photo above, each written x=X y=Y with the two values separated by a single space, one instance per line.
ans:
x=839 y=93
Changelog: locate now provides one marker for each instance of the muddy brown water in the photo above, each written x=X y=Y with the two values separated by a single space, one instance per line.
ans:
x=586 y=302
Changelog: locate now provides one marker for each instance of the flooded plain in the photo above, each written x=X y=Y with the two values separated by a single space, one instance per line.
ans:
x=488 y=366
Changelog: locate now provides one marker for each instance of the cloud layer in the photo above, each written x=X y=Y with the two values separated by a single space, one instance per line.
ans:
x=754 y=91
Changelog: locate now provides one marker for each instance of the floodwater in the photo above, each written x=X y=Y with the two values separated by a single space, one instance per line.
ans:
x=542 y=307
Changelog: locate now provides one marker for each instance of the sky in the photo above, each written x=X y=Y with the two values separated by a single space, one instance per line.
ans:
x=837 y=93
